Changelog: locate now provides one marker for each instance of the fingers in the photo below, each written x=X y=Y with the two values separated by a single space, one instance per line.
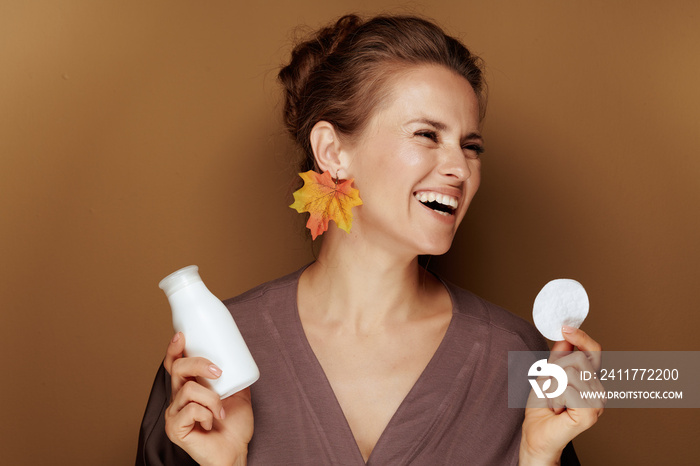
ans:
x=182 y=369
x=580 y=339
x=179 y=425
x=574 y=364
x=583 y=415
x=562 y=346
x=193 y=404
x=572 y=399
x=175 y=350
x=580 y=384
x=580 y=404
x=192 y=392
x=579 y=360
x=186 y=369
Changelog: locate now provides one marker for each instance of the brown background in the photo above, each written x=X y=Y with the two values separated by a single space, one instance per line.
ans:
x=137 y=137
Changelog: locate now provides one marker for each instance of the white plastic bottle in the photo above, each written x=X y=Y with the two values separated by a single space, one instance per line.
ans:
x=210 y=331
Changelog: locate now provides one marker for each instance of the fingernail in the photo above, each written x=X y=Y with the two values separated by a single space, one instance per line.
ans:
x=222 y=414
x=567 y=329
x=176 y=337
x=215 y=370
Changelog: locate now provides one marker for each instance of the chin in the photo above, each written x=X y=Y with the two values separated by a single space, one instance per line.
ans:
x=437 y=252
x=435 y=249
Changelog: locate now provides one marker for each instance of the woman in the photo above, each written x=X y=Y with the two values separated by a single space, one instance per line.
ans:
x=365 y=357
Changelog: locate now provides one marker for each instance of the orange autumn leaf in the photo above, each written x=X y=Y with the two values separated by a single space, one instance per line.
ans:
x=325 y=199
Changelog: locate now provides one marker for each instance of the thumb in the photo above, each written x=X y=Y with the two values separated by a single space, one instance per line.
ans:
x=562 y=346
x=560 y=349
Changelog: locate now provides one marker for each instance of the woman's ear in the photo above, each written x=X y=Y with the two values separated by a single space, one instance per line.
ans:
x=326 y=146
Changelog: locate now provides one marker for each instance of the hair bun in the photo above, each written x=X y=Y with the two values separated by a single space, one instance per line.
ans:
x=306 y=57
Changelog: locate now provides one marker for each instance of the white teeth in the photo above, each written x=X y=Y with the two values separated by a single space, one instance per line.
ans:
x=443 y=199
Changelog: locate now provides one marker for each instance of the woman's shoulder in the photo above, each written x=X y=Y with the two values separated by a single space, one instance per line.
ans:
x=282 y=288
x=500 y=322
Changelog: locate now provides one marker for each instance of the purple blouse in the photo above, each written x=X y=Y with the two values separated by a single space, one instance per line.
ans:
x=456 y=413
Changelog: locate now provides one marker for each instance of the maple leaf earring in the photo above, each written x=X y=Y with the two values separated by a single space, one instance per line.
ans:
x=326 y=198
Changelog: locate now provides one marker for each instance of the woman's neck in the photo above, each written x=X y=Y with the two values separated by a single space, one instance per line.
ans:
x=365 y=288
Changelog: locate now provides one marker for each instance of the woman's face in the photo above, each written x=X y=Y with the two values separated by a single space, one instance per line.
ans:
x=417 y=162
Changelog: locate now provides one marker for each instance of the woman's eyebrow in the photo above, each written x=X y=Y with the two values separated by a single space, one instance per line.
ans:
x=472 y=136
x=435 y=124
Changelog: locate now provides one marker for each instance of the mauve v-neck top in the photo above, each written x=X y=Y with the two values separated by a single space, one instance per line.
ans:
x=456 y=413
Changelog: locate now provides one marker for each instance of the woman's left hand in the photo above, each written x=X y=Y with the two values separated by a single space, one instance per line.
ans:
x=551 y=423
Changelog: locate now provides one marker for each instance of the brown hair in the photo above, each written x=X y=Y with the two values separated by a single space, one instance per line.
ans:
x=339 y=74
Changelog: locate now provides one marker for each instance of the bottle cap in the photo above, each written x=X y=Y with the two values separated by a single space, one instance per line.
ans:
x=179 y=279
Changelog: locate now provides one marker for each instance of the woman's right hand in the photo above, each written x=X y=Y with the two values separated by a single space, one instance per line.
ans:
x=210 y=430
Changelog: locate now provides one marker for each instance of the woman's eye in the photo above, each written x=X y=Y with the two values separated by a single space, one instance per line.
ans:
x=475 y=149
x=432 y=135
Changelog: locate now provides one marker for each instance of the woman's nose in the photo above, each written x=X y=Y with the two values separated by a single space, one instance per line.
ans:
x=454 y=164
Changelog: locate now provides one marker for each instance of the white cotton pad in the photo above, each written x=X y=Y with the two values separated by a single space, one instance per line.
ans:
x=560 y=302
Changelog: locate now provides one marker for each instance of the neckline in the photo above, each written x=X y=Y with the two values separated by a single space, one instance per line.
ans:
x=417 y=386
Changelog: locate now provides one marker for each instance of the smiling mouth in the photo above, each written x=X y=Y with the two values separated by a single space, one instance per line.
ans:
x=440 y=203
